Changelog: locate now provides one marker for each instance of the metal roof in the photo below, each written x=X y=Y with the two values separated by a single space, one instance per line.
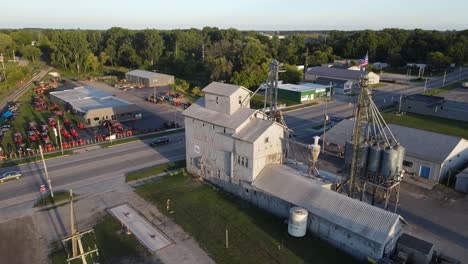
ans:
x=302 y=87
x=337 y=73
x=363 y=219
x=224 y=89
x=253 y=130
x=198 y=111
x=327 y=81
x=80 y=93
x=87 y=104
x=87 y=98
x=424 y=144
x=146 y=74
x=418 y=143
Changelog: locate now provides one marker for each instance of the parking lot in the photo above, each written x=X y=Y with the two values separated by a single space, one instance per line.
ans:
x=34 y=120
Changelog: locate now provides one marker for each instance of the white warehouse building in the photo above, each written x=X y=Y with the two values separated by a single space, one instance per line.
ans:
x=240 y=150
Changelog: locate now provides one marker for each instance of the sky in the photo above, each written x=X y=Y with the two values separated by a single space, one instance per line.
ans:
x=239 y=14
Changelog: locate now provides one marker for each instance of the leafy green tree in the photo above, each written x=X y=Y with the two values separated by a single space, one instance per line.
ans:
x=150 y=45
x=438 y=60
x=318 y=57
x=91 y=62
x=291 y=75
x=103 y=58
x=5 y=42
x=31 y=53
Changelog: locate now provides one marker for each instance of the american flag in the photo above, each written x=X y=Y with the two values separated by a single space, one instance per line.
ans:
x=365 y=62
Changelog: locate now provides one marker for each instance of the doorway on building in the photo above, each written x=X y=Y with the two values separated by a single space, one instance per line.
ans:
x=424 y=171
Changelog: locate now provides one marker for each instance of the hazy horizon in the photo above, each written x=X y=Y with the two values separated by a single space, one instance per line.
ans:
x=260 y=15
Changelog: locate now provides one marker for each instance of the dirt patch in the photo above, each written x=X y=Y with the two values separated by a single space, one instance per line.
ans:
x=20 y=242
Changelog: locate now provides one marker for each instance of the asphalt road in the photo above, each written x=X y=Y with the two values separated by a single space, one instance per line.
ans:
x=302 y=121
x=88 y=167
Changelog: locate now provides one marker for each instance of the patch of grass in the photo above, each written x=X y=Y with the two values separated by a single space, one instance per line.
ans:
x=255 y=236
x=257 y=102
x=430 y=123
x=417 y=80
x=444 y=89
x=377 y=85
x=166 y=167
x=137 y=138
x=48 y=200
x=5 y=164
x=114 y=245
x=300 y=106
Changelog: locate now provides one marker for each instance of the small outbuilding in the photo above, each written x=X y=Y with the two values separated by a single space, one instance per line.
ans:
x=339 y=86
x=343 y=74
x=149 y=79
x=303 y=92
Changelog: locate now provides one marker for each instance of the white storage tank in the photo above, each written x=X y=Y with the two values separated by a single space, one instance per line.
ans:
x=297 y=225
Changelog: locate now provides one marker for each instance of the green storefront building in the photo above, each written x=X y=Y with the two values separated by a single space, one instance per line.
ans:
x=300 y=93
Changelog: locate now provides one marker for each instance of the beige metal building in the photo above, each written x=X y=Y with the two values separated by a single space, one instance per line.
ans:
x=149 y=79
x=93 y=106
x=313 y=73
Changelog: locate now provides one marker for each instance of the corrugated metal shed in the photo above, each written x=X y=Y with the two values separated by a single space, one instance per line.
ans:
x=364 y=220
x=147 y=74
x=253 y=130
x=337 y=73
x=198 y=111
x=224 y=89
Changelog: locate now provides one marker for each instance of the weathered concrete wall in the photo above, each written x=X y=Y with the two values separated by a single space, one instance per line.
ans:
x=267 y=149
x=217 y=103
x=354 y=244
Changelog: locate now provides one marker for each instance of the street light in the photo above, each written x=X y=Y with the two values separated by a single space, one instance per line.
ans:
x=49 y=181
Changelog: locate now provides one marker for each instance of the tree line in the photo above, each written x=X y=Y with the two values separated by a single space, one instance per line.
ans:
x=240 y=57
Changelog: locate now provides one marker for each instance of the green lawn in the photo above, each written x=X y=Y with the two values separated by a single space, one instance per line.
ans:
x=257 y=102
x=377 y=85
x=255 y=236
x=430 y=123
x=444 y=89
x=48 y=200
x=114 y=245
x=166 y=167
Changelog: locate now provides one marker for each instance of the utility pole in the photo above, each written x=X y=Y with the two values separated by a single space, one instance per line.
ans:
x=60 y=135
x=459 y=74
x=78 y=251
x=203 y=52
x=399 y=106
x=3 y=66
x=14 y=58
x=49 y=181
x=425 y=85
x=443 y=82
x=325 y=119
x=72 y=226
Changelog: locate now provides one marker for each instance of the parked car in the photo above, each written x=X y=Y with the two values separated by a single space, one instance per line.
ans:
x=10 y=175
x=160 y=141
x=171 y=124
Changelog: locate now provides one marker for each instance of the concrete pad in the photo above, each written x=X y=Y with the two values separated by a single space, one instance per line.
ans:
x=146 y=233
